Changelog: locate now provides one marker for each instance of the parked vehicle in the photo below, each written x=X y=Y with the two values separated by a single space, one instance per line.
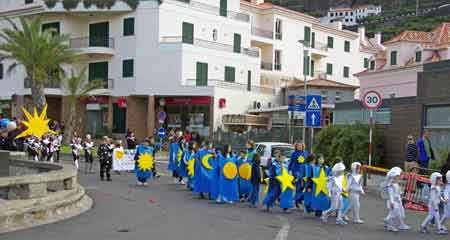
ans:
x=267 y=149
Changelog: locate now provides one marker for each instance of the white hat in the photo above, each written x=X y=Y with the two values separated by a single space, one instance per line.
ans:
x=434 y=177
x=338 y=167
x=354 y=166
x=395 y=171
x=447 y=176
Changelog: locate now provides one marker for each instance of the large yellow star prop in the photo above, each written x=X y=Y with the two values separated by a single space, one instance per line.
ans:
x=145 y=162
x=190 y=167
x=321 y=183
x=285 y=180
x=37 y=125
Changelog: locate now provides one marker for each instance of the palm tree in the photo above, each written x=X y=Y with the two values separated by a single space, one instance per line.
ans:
x=76 y=87
x=41 y=53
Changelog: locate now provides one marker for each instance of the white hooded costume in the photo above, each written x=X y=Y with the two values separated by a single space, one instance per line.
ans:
x=433 y=203
x=394 y=202
x=355 y=190
x=335 y=190
x=446 y=198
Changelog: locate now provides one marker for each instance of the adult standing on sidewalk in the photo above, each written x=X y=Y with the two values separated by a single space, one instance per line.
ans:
x=411 y=155
x=425 y=151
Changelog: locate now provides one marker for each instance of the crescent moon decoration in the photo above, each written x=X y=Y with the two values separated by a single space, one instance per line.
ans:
x=190 y=167
x=301 y=159
x=245 y=171
x=230 y=170
x=205 y=161
x=119 y=154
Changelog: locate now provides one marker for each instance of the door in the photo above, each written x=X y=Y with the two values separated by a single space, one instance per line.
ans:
x=94 y=122
x=99 y=71
x=99 y=34
x=119 y=119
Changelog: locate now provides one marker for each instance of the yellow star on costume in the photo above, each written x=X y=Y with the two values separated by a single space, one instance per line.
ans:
x=344 y=187
x=266 y=181
x=285 y=180
x=179 y=157
x=119 y=154
x=205 y=161
x=301 y=159
x=37 y=125
x=145 y=162
x=230 y=170
x=321 y=183
x=190 y=167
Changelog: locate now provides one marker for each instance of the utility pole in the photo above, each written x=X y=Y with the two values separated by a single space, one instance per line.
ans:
x=417 y=7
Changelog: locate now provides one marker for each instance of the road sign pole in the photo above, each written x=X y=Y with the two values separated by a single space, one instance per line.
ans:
x=312 y=139
x=370 y=136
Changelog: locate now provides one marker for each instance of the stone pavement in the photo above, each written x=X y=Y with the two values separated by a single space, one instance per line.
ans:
x=166 y=211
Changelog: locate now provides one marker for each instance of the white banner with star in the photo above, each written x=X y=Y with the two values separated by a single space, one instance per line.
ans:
x=123 y=160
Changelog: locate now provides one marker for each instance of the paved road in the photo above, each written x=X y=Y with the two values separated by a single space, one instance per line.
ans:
x=165 y=211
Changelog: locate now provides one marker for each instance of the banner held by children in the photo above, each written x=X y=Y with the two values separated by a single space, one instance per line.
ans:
x=123 y=160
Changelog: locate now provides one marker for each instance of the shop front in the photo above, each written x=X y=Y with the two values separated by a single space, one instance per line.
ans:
x=97 y=115
x=193 y=114
x=5 y=107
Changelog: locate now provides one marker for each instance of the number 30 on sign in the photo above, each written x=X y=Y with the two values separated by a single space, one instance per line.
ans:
x=372 y=100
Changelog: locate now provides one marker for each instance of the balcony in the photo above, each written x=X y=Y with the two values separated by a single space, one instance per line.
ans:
x=262 y=33
x=49 y=84
x=217 y=11
x=318 y=49
x=266 y=66
x=231 y=85
x=251 y=52
x=93 y=45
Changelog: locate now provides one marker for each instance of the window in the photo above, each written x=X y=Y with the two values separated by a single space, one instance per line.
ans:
x=419 y=56
x=347 y=46
x=438 y=116
x=223 y=8
x=329 y=69
x=277 y=61
x=372 y=65
x=340 y=14
x=346 y=13
x=346 y=72
x=119 y=119
x=188 y=33
x=230 y=74
x=1 y=71
x=128 y=68
x=202 y=74
x=237 y=43
x=366 y=63
x=393 y=58
x=128 y=26
x=312 y=68
x=313 y=40
x=99 y=71
x=330 y=42
x=29 y=1
x=53 y=26
x=306 y=60
x=307 y=34
x=278 y=29
x=249 y=80
x=332 y=14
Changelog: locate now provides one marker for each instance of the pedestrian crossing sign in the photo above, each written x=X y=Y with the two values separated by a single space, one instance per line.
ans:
x=314 y=102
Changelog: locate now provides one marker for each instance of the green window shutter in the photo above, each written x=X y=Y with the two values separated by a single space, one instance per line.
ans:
x=230 y=74
x=346 y=72
x=237 y=43
x=330 y=42
x=372 y=65
x=366 y=63
x=306 y=60
x=249 y=81
x=99 y=71
x=29 y=1
x=418 y=56
x=1 y=71
x=347 y=46
x=307 y=35
x=394 y=58
x=128 y=68
x=128 y=26
x=329 y=69
x=99 y=34
x=54 y=26
x=313 y=40
x=223 y=8
x=188 y=33
x=202 y=74
x=312 y=68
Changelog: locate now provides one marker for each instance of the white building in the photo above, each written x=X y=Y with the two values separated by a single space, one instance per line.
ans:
x=351 y=16
x=195 y=60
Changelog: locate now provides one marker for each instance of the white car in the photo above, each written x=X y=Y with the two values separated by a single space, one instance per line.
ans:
x=267 y=149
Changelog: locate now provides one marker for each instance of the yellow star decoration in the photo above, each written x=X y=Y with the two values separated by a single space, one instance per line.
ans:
x=145 y=162
x=285 y=180
x=245 y=171
x=344 y=187
x=190 y=167
x=119 y=154
x=230 y=170
x=205 y=161
x=301 y=159
x=37 y=125
x=179 y=157
x=266 y=181
x=321 y=183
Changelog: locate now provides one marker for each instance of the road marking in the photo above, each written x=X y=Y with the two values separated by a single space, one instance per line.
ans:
x=284 y=231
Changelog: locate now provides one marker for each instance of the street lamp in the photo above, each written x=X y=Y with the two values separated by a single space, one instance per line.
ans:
x=306 y=45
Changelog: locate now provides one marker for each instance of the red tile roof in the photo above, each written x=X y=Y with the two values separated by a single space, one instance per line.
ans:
x=268 y=5
x=318 y=82
x=438 y=38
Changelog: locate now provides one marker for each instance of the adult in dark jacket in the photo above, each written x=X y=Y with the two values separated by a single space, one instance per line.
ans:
x=425 y=150
x=411 y=155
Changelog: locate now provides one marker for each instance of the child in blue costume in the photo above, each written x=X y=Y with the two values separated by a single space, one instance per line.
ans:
x=189 y=155
x=245 y=185
x=201 y=177
x=143 y=174
x=320 y=201
x=255 y=180
x=213 y=174
x=308 y=187
x=228 y=179
x=182 y=164
x=297 y=167
x=275 y=191
x=173 y=159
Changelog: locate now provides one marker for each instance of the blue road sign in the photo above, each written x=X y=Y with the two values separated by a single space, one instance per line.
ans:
x=291 y=103
x=161 y=132
x=313 y=119
x=313 y=111
x=300 y=103
x=314 y=103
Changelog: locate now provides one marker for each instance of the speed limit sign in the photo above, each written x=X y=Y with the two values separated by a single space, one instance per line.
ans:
x=372 y=100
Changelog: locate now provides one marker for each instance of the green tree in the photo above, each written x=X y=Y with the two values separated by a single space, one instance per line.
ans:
x=41 y=53
x=76 y=87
